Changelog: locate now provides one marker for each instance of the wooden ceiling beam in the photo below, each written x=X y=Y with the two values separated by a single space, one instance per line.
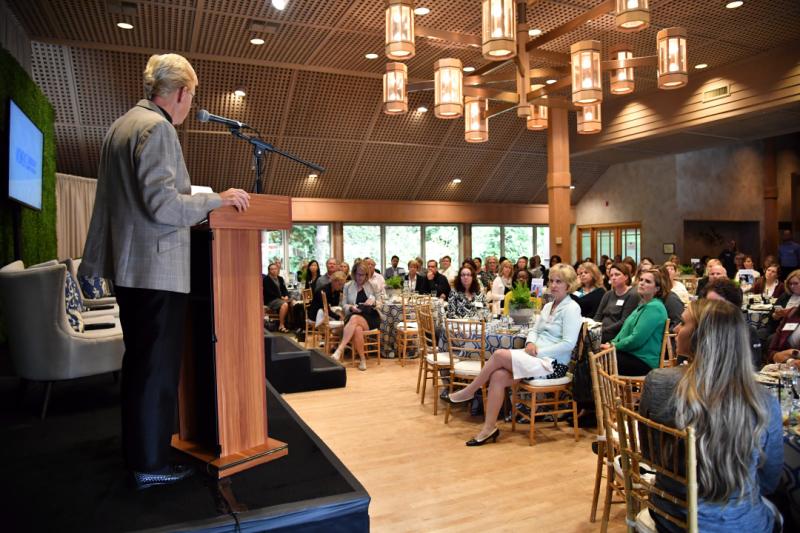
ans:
x=451 y=36
x=596 y=12
x=198 y=17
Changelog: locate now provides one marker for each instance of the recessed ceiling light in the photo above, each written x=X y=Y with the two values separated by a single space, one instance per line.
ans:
x=422 y=109
x=371 y=55
x=701 y=66
x=468 y=69
x=734 y=4
x=572 y=187
x=456 y=181
x=258 y=41
x=279 y=4
x=550 y=81
x=421 y=11
x=125 y=25
x=239 y=92
x=312 y=176
x=534 y=32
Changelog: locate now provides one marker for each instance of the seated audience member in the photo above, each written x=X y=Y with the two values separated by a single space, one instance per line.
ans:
x=672 y=303
x=331 y=266
x=769 y=285
x=590 y=292
x=747 y=275
x=737 y=423
x=502 y=283
x=333 y=293
x=548 y=349
x=310 y=275
x=436 y=282
x=618 y=303
x=448 y=270
x=634 y=268
x=276 y=296
x=488 y=275
x=790 y=297
x=606 y=279
x=536 y=268
x=522 y=276
x=713 y=271
x=466 y=299
x=393 y=270
x=646 y=263
x=375 y=278
x=768 y=260
x=677 y=286
x=360 y=306
x=785 y=345
x=345 y=268
x=522 y=264
x=477 y=264
x=638 y=343
x=725 y=289
x=416 y=283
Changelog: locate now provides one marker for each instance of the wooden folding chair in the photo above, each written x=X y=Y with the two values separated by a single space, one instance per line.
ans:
x=670 y=453
x=312 y=334
x=407 y=330
x=431 y=360
x=607 y=360
x=466 y=341
x=329 y=330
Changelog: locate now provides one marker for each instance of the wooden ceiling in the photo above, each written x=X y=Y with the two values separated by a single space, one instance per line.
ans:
x=311 y=91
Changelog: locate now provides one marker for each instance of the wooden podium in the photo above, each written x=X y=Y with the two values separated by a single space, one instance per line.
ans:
x=222 y=397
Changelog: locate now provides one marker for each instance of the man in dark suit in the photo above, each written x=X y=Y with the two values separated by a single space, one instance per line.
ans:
x=139 y=237
x=276 y=296
x=436 y=282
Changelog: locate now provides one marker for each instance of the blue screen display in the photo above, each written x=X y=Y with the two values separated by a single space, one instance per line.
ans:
x=25 y=152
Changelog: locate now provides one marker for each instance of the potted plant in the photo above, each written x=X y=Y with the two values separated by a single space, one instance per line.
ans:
x=394 y=285
x=520 y=306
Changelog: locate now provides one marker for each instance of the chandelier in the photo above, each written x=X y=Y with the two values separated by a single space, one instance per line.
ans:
x=504 y=37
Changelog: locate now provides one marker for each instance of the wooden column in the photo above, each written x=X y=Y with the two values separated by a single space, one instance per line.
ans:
x=337 y=241
x=769 y=233
x=558 y=182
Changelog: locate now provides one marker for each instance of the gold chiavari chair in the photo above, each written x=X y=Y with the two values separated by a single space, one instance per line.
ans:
x=466 y=341
x=431 y=360
x=312 y=334
x=330 y=330
x=407 y=331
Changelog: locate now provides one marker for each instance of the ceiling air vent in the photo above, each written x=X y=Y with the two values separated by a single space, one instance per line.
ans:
x=716 y=92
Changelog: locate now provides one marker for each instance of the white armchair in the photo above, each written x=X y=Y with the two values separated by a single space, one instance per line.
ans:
x=43 y=345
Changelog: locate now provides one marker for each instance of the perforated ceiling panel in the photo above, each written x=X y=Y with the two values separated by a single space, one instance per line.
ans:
x=311 y=91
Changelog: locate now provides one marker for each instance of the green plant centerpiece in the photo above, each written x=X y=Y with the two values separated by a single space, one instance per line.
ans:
x=393 y=286
x=520 y=306
x=686 y=270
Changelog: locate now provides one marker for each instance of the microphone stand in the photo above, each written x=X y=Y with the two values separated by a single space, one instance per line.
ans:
x=260 y=147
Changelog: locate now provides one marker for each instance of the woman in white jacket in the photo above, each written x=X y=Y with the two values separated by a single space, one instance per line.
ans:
x=502 y=284
x=360 y=307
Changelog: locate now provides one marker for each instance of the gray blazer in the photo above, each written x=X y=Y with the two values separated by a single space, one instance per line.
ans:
x=139 y=233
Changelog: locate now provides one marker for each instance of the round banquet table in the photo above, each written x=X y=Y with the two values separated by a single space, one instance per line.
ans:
x=392 y=314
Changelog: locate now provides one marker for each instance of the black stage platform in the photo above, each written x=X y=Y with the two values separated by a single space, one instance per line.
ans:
x=66 y=474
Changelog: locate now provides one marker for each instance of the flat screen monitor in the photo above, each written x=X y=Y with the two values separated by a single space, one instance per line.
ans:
x=25 y=153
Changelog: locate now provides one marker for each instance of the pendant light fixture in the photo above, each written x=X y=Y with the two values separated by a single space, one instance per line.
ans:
x=673 y=69
x=632 y=15
x=395 y=84
x=589 y=120
x=476 y=123
x=621 y=78
x=499 y=29
x=447 y=88
x=537 y=120
x=587 y=85
x=400 y=29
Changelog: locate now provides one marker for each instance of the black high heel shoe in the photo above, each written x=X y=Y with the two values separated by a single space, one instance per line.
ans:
x=490 y=437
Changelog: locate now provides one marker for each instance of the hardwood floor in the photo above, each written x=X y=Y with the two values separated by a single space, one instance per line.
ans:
x=422 y=477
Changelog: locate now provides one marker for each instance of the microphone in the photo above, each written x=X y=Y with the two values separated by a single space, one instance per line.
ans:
x=204 y=116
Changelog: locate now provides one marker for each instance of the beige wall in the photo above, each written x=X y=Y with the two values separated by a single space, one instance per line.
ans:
x=721 y=184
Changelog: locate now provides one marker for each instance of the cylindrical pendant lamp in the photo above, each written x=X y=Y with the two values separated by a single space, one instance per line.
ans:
x=673 y=69
x=476 y=123
x=395 y=95
x=499 y=29
x=537 y=120
x=447 y=88
x=400 y=29
x=621 y=78
x=587 y=87
x=589 y=120
x=632 y=15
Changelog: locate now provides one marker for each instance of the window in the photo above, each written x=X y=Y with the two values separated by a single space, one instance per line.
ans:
x=511 y=241
x=610 y=240
x=362 y=241
x=441 y=241
x=309 y=241
x=272 y=249
x=403 y=241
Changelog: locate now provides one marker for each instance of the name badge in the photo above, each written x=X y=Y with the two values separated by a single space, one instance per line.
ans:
x=620 y=302
x=790 y=327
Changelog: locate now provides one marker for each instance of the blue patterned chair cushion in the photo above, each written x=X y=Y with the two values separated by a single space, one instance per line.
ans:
x=95 y=287
x=73 y=303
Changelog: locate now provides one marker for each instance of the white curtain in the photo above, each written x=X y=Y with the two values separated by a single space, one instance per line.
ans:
x=74 y=204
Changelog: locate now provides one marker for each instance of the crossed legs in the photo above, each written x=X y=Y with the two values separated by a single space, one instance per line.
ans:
x=498 y=373
x=353 y=330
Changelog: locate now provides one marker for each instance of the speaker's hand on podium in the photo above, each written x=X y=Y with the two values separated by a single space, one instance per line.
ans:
x=237 y=198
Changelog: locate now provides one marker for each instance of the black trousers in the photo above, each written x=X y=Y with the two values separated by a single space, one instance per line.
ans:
x=630 y=365
x=153 y=325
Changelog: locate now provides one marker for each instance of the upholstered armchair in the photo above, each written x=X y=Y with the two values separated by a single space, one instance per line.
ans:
x=43 y=345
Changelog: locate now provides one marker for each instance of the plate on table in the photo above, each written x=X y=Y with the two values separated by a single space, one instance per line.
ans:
x=760 y=307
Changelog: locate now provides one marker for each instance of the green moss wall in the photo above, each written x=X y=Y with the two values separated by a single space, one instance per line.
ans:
x=38 y=227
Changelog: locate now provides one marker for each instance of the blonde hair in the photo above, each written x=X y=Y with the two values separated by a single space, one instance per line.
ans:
x=592 y=269
x=503 y=265
x=338 y=275
x=166 y=73
x=792 y=274
x=567 y=275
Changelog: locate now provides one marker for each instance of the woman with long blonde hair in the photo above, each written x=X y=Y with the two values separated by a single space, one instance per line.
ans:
x=737 y=423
